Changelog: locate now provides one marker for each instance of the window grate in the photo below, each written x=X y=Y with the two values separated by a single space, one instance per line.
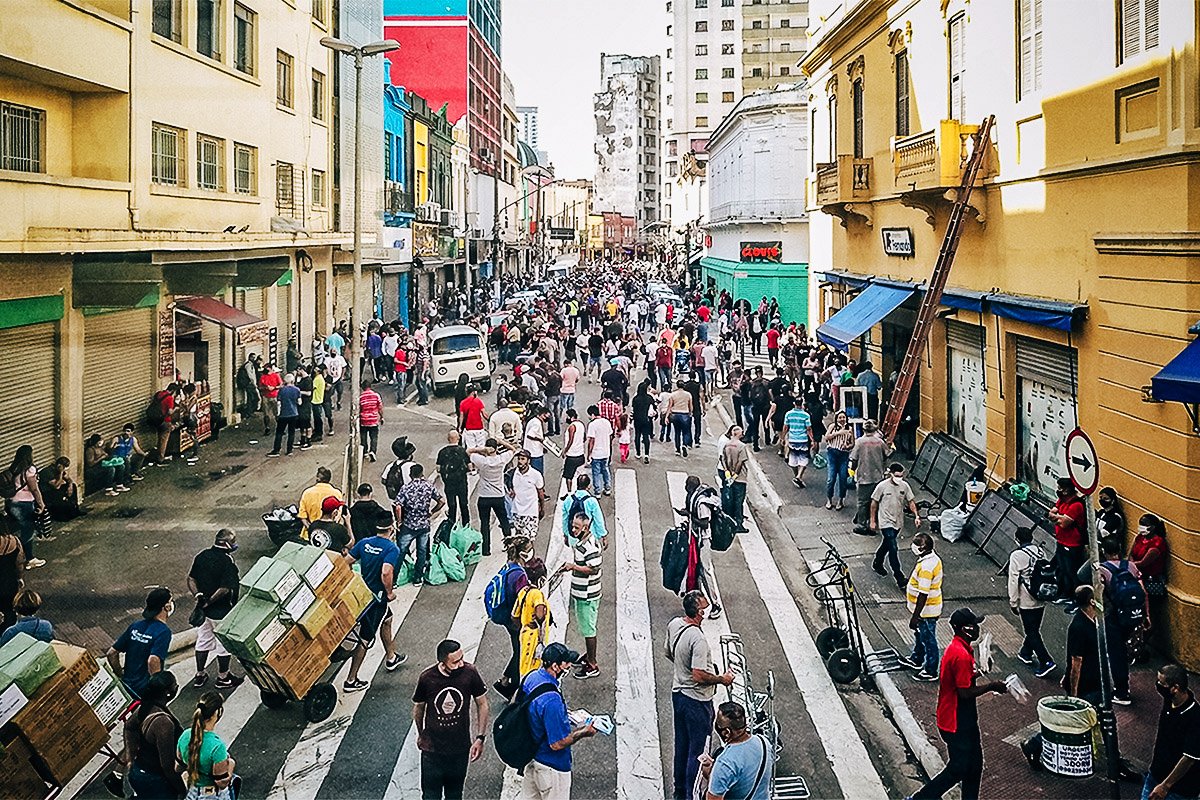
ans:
x=166 y=156
x=21 y=138
x=210 y=163
x=285 y=196
x=245 y=169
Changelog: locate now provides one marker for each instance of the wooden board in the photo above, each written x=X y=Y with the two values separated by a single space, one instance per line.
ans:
x=60 y=726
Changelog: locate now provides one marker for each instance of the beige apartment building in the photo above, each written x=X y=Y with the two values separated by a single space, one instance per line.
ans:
x=165 y=170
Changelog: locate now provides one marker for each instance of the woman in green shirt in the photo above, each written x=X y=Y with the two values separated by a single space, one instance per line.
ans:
x=208 y=767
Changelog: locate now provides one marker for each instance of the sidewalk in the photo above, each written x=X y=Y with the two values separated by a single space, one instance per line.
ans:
x=970 y=579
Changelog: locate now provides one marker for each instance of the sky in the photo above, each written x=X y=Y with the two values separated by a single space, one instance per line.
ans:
x=551 y=50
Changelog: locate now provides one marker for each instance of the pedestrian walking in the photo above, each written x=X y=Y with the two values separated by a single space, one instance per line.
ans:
x=145 y=643
x=531 y=614
x=415 y=506
x=453 y=464
x=839 y=443
x=574 y=448
x=924 y=599
x=867 y=457
x=448 y=741
x=584 y=568
x=548 y=775
x=208 y=767
x=490 y=463
x=694 y=386
x=528 y=497
x=379 y=558
x=151 y=732
x=214 y=582
x=370 y=418
x=957 y=717
x=269 y=383
x=694 y=684
x=570 y=380
x=798 y=426
x=288 y=420
x=24 y=502
x=744 y=764
x=364 y=512
x=472 y=418
x=535 y=438
x=312 y=498
x=1125 y=611
x=1028 y=607
x=1082 y=676
x=1174 y=773
x=733 y=466
x=679 y=410
x=889 y=499
x=701 y=506
x=599 y=450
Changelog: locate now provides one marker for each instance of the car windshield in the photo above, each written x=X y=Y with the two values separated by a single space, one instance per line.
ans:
x=456 y=343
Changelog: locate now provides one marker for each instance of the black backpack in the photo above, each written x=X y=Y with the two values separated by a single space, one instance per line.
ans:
x=512 y=731
x=674 y=557
x=723 y=529
x=1043 y=578
x=393 y=478
x=1127 y=596
x=8 y=484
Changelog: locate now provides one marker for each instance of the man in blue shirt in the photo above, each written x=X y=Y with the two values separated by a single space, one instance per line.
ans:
x=145 y=643
x=743 y=768
x=289 y=414
x=584 y=504
x=798 y=426
x=548 y=776
x=380 y=558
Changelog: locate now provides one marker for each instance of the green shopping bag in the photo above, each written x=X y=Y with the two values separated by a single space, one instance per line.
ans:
x=468 y=542
x=404 y=575
x=448 y=559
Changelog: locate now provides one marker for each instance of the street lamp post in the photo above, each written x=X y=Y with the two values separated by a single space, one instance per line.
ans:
x=354 y=345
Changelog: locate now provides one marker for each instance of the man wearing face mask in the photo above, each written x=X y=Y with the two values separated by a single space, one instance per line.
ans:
x=957 y=718
x=145 y=643
x=743 y=766
x=213 y=580
x=1070 y=534
x=442 y=714
x=548 y=776
x=1174 y=773
x=924 y=597
x=888 y=501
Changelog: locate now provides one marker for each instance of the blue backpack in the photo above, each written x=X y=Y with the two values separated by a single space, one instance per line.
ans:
x=496 y=600
x=1127 y=596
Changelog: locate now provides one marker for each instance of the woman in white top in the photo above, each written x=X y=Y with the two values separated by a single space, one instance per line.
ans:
x=574 y=452
x=24 y=506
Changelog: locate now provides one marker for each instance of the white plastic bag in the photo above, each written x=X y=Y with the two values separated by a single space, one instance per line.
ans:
x=983 y=654
x=953 y=522
x=1017 y=689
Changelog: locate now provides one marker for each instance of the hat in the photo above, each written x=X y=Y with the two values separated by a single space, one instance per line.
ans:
x=559 y=653
x=156 y=601
x=964 y=616
x=402 y=447
x=331 y=503
x=524 y=453
x=384 y=520
x=614 y=361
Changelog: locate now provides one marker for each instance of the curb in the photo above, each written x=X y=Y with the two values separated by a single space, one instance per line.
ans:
x=182 y=641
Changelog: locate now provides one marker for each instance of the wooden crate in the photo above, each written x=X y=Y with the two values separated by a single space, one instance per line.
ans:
x=60 y=726
x=298 y=661
x=19 y=779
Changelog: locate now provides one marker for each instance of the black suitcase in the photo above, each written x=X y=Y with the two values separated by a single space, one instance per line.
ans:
x=674 y=558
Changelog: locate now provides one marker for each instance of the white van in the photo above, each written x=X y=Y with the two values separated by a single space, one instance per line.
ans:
x=459 y=350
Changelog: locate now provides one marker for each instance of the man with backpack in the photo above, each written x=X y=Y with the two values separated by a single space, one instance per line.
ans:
x=1030 y=579
x=1125 y=611
x=499 y=597
x=548 y=774
x=701 y=508
x=158 y=415
x=582 y=503
x=396 y=473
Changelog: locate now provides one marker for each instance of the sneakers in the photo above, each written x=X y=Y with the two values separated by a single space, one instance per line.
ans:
x=1122 y=700
x=110 y=492
x=120 y=487
x=607 y=492
x=200 y=679
x=193 y=460
x=685 y=452
x=229 y=681
x=584 y=672
x=34 y=563
x=273 y=454
x=395 y=661
x=114 y=785
x=925 y=677
x=137 y=477
x=714 y=612
x=49 y=537
x=646 y=459
x=354 y=686
x=1024 y=659
x=909 y=662
x=1047 y=670
x=879 y=570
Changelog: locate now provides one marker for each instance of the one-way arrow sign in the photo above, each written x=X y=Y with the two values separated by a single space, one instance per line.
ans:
x=1082 y=464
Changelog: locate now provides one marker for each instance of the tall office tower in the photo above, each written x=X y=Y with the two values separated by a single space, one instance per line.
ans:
x=774 y=39
x=628 y=137
x=528 y=116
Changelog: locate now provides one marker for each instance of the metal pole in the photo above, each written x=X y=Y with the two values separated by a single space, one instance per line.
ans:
x=496 y=220
x=355 y=366
x=1107 y=719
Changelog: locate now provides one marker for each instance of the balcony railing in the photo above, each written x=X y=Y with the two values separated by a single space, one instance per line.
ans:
x=843 y=181
x=932 y=159
x=395 y=199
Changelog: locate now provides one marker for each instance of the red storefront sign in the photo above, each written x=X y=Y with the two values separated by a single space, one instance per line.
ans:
x=770 y=252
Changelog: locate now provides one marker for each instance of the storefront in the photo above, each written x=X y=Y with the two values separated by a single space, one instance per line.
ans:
x=966 y=385
x=1046 y=378
x=29 y=336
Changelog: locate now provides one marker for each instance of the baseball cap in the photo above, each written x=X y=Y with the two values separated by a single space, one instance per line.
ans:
x=964 y=616
x=331 y=503
x=156 y=601
x=559 y=653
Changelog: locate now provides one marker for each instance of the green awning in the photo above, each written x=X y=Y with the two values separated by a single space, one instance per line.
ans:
x=255 y=273
x=31 y=310
x=285 y=279
x=115 y=281
x=200 y=277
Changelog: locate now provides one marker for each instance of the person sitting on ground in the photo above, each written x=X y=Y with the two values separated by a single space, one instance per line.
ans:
x=27 y=603
x=60 y=491
x=97 y=474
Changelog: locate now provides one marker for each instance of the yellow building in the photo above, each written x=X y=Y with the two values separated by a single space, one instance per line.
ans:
x=156 y=158
x=1075 y=281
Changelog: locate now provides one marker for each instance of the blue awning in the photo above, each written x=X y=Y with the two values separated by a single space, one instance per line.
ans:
x=861 y=314
x=965 y=299
x=1179 y=381
x=1036 y=311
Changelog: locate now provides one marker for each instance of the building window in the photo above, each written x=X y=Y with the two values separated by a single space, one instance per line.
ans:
x=166 y=155
x=756 y=24
x=726 y=49
x=244 y=22
x=702 y=26
x=856 y=95
x=726 y=97
x=210 y=162
x=669 y=51
x=958 y=67
x=701 y=74
x=245 y=169
x=785 y=71
x=701 y=3
x=285 y=198
x=318 y=95
x=1137 y=26
x=208 y=28
x=318 y=188
x=1029 y=44
x=318 y=11
x=785 y=23
x=167 y=19
x=726 y=3
x=727 y=72
x=756 y=72
x=832 y=153
x=701 y=49
x=726 y=24
x=22 y=134
x=701 y=122
x=673 y=147
x=284 y=79
x=701 y=97
x=901 y=70
x=812 y=147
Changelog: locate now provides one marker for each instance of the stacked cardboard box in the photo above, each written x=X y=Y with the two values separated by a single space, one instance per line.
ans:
x=296 y=608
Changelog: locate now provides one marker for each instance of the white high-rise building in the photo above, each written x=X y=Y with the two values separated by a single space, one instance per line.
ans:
x=628 y=137
x=528 y=116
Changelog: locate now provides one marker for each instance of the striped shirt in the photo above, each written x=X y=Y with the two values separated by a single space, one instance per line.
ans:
x=840 y=438
x=370 y=408
x=798 y=423
x=587 y=554
x=926 y=579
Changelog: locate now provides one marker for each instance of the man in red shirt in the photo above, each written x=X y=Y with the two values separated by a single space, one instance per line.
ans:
x=472 y=419
x=957 y=720
x=370 y=417
x=773 y=344
x=703 y=312
x=1070 y=533
x=269 y=383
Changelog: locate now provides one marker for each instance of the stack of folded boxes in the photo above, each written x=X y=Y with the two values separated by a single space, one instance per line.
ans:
x=295 y=609
x=56 y=707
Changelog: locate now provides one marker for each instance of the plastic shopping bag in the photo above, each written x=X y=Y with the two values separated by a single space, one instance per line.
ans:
x=468 y=542
x=404 y=575
x=450 y=562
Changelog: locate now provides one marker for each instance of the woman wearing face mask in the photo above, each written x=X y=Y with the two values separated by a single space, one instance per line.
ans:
x=1149 y=554
x=838 y=441
x=150 y=736
x=208 y=765
x=531 y=611
x=1110 y=517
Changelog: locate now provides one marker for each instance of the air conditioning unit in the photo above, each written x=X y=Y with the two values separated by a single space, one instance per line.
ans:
x=429 y=212
x=448 y=218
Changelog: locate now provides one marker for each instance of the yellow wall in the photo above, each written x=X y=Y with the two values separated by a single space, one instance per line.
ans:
x=421 y=161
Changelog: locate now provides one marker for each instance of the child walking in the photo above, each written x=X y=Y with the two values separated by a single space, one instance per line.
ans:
x=624 y=436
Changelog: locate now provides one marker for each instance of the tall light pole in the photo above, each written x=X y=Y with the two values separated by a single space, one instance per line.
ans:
x=354 y=345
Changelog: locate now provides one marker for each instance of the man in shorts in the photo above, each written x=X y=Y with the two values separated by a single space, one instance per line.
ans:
x=380 y=558
x=585 y=589
x=213 y=580
x=527 y=494
x=798 y=429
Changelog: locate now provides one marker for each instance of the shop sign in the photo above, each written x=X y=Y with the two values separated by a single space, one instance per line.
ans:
x=273 y=345
x=898 y=242
x=562 y=234
x=425 y=240
x=249 y=334
x=762 y=252
x=166 y=344
x=203 y=424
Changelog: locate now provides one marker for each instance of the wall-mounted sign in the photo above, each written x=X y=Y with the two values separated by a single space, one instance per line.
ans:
x=762 y=252
x=898 y=242
x=562 y=234
x=166 y=344
x=425 y=240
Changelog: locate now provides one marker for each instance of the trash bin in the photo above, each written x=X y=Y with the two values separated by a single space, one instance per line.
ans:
x=1067 y=724
x=975 y=491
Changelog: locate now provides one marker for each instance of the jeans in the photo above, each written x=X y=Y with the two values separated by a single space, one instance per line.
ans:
x=925 y=645
x=456 y=501
x=664 y=379
x=643 y=434
x=554 y=424
x=862 y=512
x=289 y=424
x=1150 y=783
x=539 y=464
x=601 y=475
x=421 y=537
x=98 y=477
x=838 y=473
x=697 y=426
x=21 y=513
x=422 y=384
x=487 y=506
x=733 y=501
x=1033 y=646
x=682 y=423
x=752 y=423
x=693 y=726
x=148 y=785
x=401 y=386
x=443 y=775
x=368 y=436
x=567 y=399
x=965 y=766
x=887 y=549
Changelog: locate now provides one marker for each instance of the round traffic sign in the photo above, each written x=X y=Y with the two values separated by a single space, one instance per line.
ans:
x=1082 y=465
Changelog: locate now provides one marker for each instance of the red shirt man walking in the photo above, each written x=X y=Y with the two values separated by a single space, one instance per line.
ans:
x=472 y=419
x=370 y=417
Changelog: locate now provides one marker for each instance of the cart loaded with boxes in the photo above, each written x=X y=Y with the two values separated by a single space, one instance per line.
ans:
x=297 y=614
x=57 y=708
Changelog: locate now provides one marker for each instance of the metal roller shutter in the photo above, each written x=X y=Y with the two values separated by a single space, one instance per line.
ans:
x=29 y=392
x=211 y=333
x=283 y=315
x=118 y=369
x=961 y=336
x=1047 y=362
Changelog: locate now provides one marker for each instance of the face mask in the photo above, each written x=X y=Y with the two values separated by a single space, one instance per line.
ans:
x=1105 y=502
x=1064 y=492
x=970 y=633
x=916 y=550
x=1165 y=691
x=896 y=479
x=1143 y=531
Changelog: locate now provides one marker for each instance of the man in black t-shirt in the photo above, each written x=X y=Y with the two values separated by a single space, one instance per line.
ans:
x=213 y=580
x=1174 y=771
x=1082 y=678
x=452 y=465
x=364 y=512
x=695 y=388
x=330 y=531
x=442 y=714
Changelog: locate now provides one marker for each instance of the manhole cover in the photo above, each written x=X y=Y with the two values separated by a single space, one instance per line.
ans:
x=127 y=512
x=235 y=453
